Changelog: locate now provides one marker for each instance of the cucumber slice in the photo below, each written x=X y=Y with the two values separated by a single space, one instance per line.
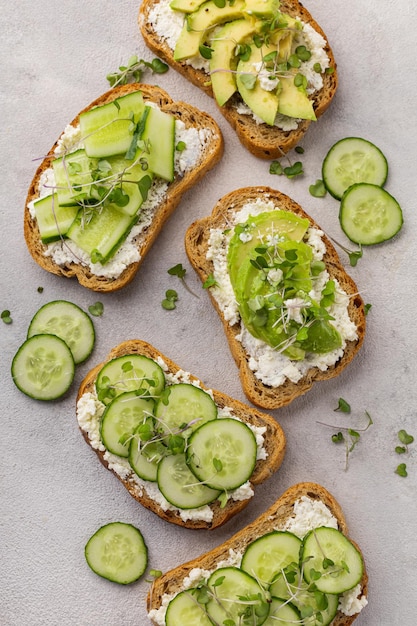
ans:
x=43 y=367
x=185 y=610
x=369 y=214
x=331 y=560
x=121 y=418
x=159 y=135
x=184 y=404
x=180 y=487
x=108 y=129
x=67 y=321
x=283 y=613
x=267 y=556
x=117 y=551
x=73 y=177
x=144 y=458
x=230 y=586
x=129 y=173
x=131 y=372
x=222 y=453
x=53 y=220
x=101 y=232
x=353 y=160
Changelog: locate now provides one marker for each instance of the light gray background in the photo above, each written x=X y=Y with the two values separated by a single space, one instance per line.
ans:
x=55 y=494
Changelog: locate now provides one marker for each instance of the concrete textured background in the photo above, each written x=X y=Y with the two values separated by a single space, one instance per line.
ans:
x=54 y=492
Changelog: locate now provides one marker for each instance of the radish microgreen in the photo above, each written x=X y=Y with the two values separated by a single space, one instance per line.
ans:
x=96 y=309
x=318 y=190
x=402 y=470
x=210 y=282
x=349 y=436
x=343 y=406
x=133 y=70
x=6 y=317
x=180 y=271
x=168 y=303
x=290 y=171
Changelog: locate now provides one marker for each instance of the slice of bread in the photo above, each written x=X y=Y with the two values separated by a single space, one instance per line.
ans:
x=197 y=245
x=211 y=153
x=275 y=517
x=262 y=140
x=274 y=443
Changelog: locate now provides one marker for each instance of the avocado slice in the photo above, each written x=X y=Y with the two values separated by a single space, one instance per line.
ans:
x=186 y=6
x=263 y=8
x=263 y=103
x=294 y=102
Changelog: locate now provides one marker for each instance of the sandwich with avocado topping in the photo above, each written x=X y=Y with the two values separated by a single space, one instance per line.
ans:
x=291 y=313
x=267 y=64
x=101 y=196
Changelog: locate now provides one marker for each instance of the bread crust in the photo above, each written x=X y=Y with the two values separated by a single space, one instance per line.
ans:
x=265 y=142
x=196 y=245
x=208 y=159
x=274 y=516
x=274 y=443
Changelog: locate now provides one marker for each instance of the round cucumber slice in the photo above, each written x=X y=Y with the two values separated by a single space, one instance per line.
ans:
x=369 y=214
x=180 y=487
x=69 y=322
x=43 y=367
x=117 y=551
x=184 y=405
x=185 y=610
x=353 y=160
x=230 y=587
x=121 y=418
x=267 y=556
x=320 y=607
x=131 y=372
x=144 y=459
x=331 y=560
x=222 y=453
x=283 y=613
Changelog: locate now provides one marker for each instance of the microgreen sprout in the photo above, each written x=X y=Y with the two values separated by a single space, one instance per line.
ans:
x=405 y=439
x=210 y=282
x=180 y=271
x=6 y=317
x=290 y=171
x=402 y=470
x=154 y=574
x=181 y=146
x=318 y=190
x=367 y=308
x=349 y=436
x=40 y=290
x=343 y=406
x=96 y=309
x=354 y=255
x=133 y=70
x=168 y=303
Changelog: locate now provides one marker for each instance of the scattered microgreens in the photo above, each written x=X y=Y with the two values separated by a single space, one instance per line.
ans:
x=40 y=289
x=154 y=574
x=402 y=470
x=132 y=72
x=181 y=146
x=96 y=309
x=367 y=308
x=6 y=317
x=349 y=436
x=168 y=303
x=318 y=190
x=343 y=406
x=205 y=51
x=406 y=439
x=209 y=282
x=354 y=255
x=180 y=271
x=291 y=171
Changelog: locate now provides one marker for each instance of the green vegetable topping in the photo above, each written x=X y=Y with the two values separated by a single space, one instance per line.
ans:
x=132 y=72
x=96 y=309
x=6 y=317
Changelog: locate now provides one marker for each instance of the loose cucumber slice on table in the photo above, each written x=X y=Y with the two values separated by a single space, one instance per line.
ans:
x=180 y=487
x=185 y=610
x=121 y=418
x=184 y=404
x=132 y=372
x=267 y=556
x=69 y=322
x=43 y=367
x=369 y=214
x=331 y=560
x=117 y=551
x=353 y=160
x=222 y=453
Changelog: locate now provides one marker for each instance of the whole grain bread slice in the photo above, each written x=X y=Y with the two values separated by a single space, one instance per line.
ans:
x=274 y=517
x=274 y=442
x=210 y=155
x=262 y=140
x=197 y=244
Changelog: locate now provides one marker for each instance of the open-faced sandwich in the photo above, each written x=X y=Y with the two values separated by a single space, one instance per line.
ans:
x=291 y=313
x=267 y=63
x=189 y=454
x=102 y=194
x=295 y=564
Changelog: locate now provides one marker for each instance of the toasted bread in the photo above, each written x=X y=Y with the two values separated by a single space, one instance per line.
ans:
x=275 y=517
x=210 y=154
x=274 y=443
x=197 y=244
x=262 y=140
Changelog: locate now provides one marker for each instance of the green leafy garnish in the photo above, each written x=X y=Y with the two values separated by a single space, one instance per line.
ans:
x=343 y=406
x=6 y=317
x=318 y=190
x=181 y=146
x=168 y=303
x=291 y=171
x=205 y=51
x=402 y=470
x=349 y=436
x=354 y=255
x=209 y=282
x=133 y=70
x=96 y=309
x=180 y=271
x=40 y=289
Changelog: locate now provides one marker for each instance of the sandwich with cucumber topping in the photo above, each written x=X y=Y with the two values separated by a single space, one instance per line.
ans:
x=101 y=196
x=294 y=564
x=267 y=64
x=291 y=313
x=190 y=454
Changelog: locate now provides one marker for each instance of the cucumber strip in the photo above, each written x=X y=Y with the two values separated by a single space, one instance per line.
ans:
x=185 y=610
x=330 y=560
x=353 y=160
x=132 y=372
x=184 y=404
x=67 y=321
x=121 y=418
x=180 y=487
x=230 y=586
x=159 y=136
x=369 y=214
x=283 y=613
x=43 y=367
x=222 y=453
x=267 y=556
x=108 y=129
x=117 y=552
x=53 y=220
x=128 y=174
